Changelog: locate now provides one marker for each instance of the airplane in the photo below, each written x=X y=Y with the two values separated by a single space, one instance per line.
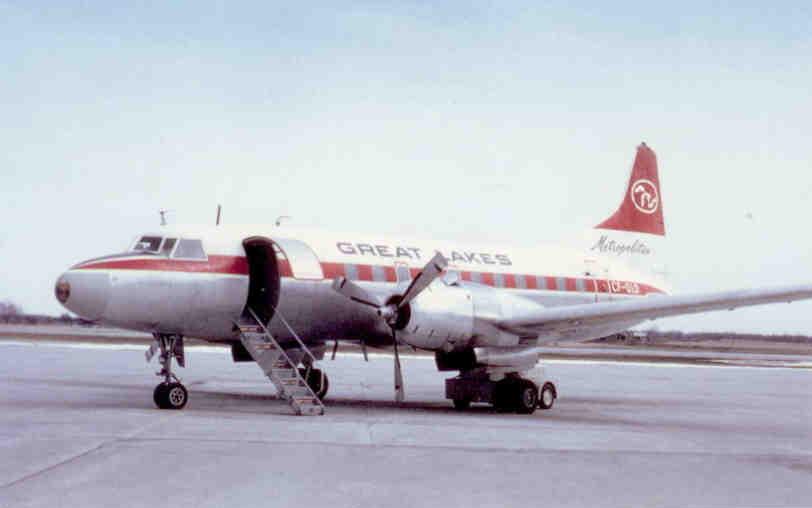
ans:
x=278 y=295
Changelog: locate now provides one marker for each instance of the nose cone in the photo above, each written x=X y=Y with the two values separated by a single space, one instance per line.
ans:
x=84 y=292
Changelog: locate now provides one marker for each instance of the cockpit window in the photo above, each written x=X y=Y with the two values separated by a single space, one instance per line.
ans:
x=147 y=244
x=166 y=248
x=190 y=249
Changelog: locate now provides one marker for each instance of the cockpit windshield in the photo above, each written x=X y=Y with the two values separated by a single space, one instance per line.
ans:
x=148 y=244
x=154 y=245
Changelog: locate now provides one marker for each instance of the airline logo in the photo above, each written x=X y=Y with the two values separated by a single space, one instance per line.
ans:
x=645 y=197
x=606 y=245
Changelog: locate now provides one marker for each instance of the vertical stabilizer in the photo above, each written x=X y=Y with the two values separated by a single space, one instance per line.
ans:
x=642 y=208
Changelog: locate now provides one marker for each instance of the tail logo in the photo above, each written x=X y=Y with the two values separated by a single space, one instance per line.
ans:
x=645 y=197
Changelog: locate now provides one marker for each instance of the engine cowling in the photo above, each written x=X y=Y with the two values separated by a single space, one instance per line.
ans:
x=471 y=358
x=442 y=317
x=457 y=316
x=492 y=306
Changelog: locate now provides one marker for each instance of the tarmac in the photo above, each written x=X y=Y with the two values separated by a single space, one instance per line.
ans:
x=78 y=428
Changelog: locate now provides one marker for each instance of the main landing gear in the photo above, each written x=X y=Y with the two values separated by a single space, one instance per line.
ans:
x=170 y=394
x=316 y=379
x=511 y=394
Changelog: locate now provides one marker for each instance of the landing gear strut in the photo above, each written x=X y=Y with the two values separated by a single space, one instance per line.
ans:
x=170 y=394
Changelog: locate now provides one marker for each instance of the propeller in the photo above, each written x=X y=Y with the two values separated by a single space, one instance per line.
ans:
x=395 y=311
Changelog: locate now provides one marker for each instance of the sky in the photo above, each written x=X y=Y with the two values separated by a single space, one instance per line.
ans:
x=514 y=122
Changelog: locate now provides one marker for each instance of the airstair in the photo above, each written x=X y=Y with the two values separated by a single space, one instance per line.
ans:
x=277 y=364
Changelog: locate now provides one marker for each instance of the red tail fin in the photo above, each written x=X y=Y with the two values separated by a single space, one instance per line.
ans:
x=642 y=207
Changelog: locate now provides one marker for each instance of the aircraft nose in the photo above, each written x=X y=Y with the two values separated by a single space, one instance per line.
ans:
x=84 y=292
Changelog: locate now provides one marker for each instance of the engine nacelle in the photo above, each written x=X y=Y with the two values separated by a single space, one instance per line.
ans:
x=442 y=317
x=490 y=357
x=492 y=306
x=506 y=357
x=453 y=317
x=461 y=360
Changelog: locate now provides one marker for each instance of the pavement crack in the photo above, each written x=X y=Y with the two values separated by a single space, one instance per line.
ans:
x=55 y=466
x=130 y=436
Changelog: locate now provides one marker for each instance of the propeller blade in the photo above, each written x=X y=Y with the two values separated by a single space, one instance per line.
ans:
x=399 y=394
x=335 y=348
x=355 y=292
x=433 y=269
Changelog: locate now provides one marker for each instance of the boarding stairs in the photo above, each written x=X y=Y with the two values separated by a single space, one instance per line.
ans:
x=277 y=364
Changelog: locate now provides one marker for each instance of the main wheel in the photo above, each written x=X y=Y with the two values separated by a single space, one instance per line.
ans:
x=170 y=396
x=547 y=396
x=462 y=404
x=317 y=381
x=527 y=397
x=504 y=395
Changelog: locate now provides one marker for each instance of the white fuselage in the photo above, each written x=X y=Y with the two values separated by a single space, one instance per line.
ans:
x=202 y=296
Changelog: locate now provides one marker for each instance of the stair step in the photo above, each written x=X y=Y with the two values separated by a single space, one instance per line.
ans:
x=305 y=400
x=301 y=391
x=265 y=346
x=311 y=410
x=250 y=329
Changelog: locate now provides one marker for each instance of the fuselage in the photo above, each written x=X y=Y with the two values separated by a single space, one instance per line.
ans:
x=197 y=282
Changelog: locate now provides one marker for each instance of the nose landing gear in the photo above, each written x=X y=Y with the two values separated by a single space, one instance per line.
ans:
x=170 y=394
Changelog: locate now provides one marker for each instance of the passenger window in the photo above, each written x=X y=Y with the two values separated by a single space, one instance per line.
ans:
x=147 y=244
x=190 y=249
x=166 y=248
x=402 y=272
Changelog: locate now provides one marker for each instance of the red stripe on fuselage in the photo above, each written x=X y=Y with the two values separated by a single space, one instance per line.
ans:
x=238 y=265
x=232 y=265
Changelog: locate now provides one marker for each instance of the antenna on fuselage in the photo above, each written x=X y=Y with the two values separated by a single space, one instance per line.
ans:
x=280 y=218
x=219 y=209
x=163 y=213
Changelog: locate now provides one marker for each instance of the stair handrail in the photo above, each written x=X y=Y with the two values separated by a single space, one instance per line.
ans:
x=293 y=332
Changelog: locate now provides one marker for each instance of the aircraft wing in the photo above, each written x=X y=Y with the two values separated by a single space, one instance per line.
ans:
x=558 y=320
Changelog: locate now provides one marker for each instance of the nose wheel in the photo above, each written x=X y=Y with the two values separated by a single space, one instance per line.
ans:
x=170 y=394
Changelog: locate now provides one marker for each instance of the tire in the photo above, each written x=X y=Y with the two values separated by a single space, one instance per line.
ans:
x=462 y=404
x=317 y=381
x=547 y=396
x=504 y=395
x=526 y=397
x=175 y=396
x=159 y=395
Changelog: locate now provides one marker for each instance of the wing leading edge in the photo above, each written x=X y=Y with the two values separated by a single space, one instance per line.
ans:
x=578 y=317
